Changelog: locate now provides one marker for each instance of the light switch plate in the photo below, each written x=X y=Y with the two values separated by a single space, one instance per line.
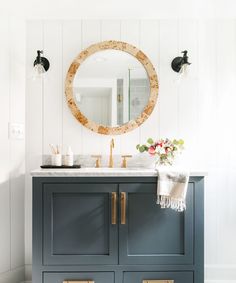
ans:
x=16 y=131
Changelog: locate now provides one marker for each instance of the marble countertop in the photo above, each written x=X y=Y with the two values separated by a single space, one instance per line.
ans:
x=104 y=172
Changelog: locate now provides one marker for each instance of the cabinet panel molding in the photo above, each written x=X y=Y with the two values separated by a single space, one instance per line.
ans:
x=83 y=232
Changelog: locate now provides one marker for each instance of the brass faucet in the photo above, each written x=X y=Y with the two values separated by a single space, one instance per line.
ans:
x=111 y=161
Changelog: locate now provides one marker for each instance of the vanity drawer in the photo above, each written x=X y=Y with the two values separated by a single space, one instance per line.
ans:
x=158 y=277
x=78 y=277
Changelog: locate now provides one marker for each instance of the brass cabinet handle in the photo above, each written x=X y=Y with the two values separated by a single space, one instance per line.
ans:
x=158 y=281
x=123 y=207
x=113 y=208
x=80 y=281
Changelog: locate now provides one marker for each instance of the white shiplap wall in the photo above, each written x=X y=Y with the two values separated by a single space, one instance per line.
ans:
x=200 y=109
x=12 y=152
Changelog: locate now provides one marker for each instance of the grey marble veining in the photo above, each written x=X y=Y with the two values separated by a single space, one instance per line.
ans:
x=103 y=172
x=138 y=160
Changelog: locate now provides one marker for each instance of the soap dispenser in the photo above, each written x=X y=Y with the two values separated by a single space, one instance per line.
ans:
x=69 y=158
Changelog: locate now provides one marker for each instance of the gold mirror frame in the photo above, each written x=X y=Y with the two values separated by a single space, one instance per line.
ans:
x=141 y=57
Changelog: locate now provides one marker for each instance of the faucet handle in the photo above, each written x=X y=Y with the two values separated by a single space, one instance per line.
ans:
x=124 y=161
x=98 y=160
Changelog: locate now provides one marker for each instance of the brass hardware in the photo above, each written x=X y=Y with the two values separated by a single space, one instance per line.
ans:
x=158 y=281
x=113 y=208
x=123 y=207
x=119 y=98
x=124 y=161
x=80 y=281
x=98 y=160
x=111 y=161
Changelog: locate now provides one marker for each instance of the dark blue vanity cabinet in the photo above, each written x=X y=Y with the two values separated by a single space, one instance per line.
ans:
x=110 y=230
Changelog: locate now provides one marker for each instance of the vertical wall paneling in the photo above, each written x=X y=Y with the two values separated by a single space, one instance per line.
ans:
x=72 y=45
x=110 y=30
x=207 y=96
x=169 y=31
x=5 y=148
x=17 y=155
x=91 y=33
x=187 y=89
x=34 y=123
x=12 y=152
x=150 y=32
x=226 y=74
x=52 y=32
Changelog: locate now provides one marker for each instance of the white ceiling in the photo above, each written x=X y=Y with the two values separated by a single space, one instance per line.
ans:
x=111 y=9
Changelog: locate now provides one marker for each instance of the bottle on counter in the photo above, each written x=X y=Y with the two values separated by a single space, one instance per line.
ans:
x=69 y=157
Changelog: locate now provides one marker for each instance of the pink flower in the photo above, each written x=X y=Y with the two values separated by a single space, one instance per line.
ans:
x=151 y=150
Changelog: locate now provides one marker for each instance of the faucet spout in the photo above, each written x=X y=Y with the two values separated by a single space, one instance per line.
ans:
x=111 y=161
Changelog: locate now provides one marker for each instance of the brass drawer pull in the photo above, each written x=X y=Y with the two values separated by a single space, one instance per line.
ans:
x=158 y=281
x=80 y=281
x=123 y=208
x=113 y=208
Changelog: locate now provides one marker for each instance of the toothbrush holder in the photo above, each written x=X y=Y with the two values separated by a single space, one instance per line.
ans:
x=56 y=159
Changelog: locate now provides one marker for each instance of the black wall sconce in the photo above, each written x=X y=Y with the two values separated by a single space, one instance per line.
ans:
x=41 y=64
x=180 y=63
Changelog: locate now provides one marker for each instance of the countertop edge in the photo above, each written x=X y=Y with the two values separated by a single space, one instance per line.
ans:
x=109 y=173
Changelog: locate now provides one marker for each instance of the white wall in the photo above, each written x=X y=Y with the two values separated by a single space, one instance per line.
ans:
x=201 y=109
x=12 y=152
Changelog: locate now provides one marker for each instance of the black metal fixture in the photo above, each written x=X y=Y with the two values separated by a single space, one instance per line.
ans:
x=41 y=64
x=180 y=63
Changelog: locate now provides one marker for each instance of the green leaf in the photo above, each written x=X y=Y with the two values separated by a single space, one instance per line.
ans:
x=150 y=141
x=137 y=146
x=142 y=148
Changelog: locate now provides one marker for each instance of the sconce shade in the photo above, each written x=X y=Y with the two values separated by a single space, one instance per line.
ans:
x=41 y=62
x=178 y=62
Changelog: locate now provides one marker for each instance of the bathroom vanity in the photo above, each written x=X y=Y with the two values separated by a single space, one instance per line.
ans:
x=103 y=226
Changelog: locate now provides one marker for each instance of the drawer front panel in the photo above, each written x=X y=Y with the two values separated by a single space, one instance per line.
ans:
x=158 y=277
x=79 y=277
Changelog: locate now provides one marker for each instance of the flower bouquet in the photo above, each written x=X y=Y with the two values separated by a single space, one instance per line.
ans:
x=165 y=150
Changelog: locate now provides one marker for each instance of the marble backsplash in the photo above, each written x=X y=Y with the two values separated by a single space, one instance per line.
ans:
x=139 y=160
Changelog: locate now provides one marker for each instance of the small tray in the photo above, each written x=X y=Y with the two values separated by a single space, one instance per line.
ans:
x=60 y=167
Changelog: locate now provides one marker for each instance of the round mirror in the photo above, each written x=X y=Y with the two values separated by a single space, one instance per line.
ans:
x=111 y=87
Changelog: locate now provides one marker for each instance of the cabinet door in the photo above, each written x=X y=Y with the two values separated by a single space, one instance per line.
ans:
x=78 y=226
x=149 y=234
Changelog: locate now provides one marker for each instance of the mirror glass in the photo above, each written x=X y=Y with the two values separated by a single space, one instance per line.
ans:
x=111 y=87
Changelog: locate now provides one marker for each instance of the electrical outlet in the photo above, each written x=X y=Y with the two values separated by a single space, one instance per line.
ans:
x=16 y=131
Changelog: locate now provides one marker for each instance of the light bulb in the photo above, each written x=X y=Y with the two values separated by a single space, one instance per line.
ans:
x=38 y=71
x=184 y=70
x=182 y=73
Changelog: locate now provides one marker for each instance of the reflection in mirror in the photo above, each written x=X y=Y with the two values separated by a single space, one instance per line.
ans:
x=111 y=87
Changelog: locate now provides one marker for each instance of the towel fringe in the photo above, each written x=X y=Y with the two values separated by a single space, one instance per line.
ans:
x=167 y=201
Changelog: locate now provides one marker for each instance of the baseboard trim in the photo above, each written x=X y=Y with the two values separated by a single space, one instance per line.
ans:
x=28 y=273
x=13 y=276
x=220 y=273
